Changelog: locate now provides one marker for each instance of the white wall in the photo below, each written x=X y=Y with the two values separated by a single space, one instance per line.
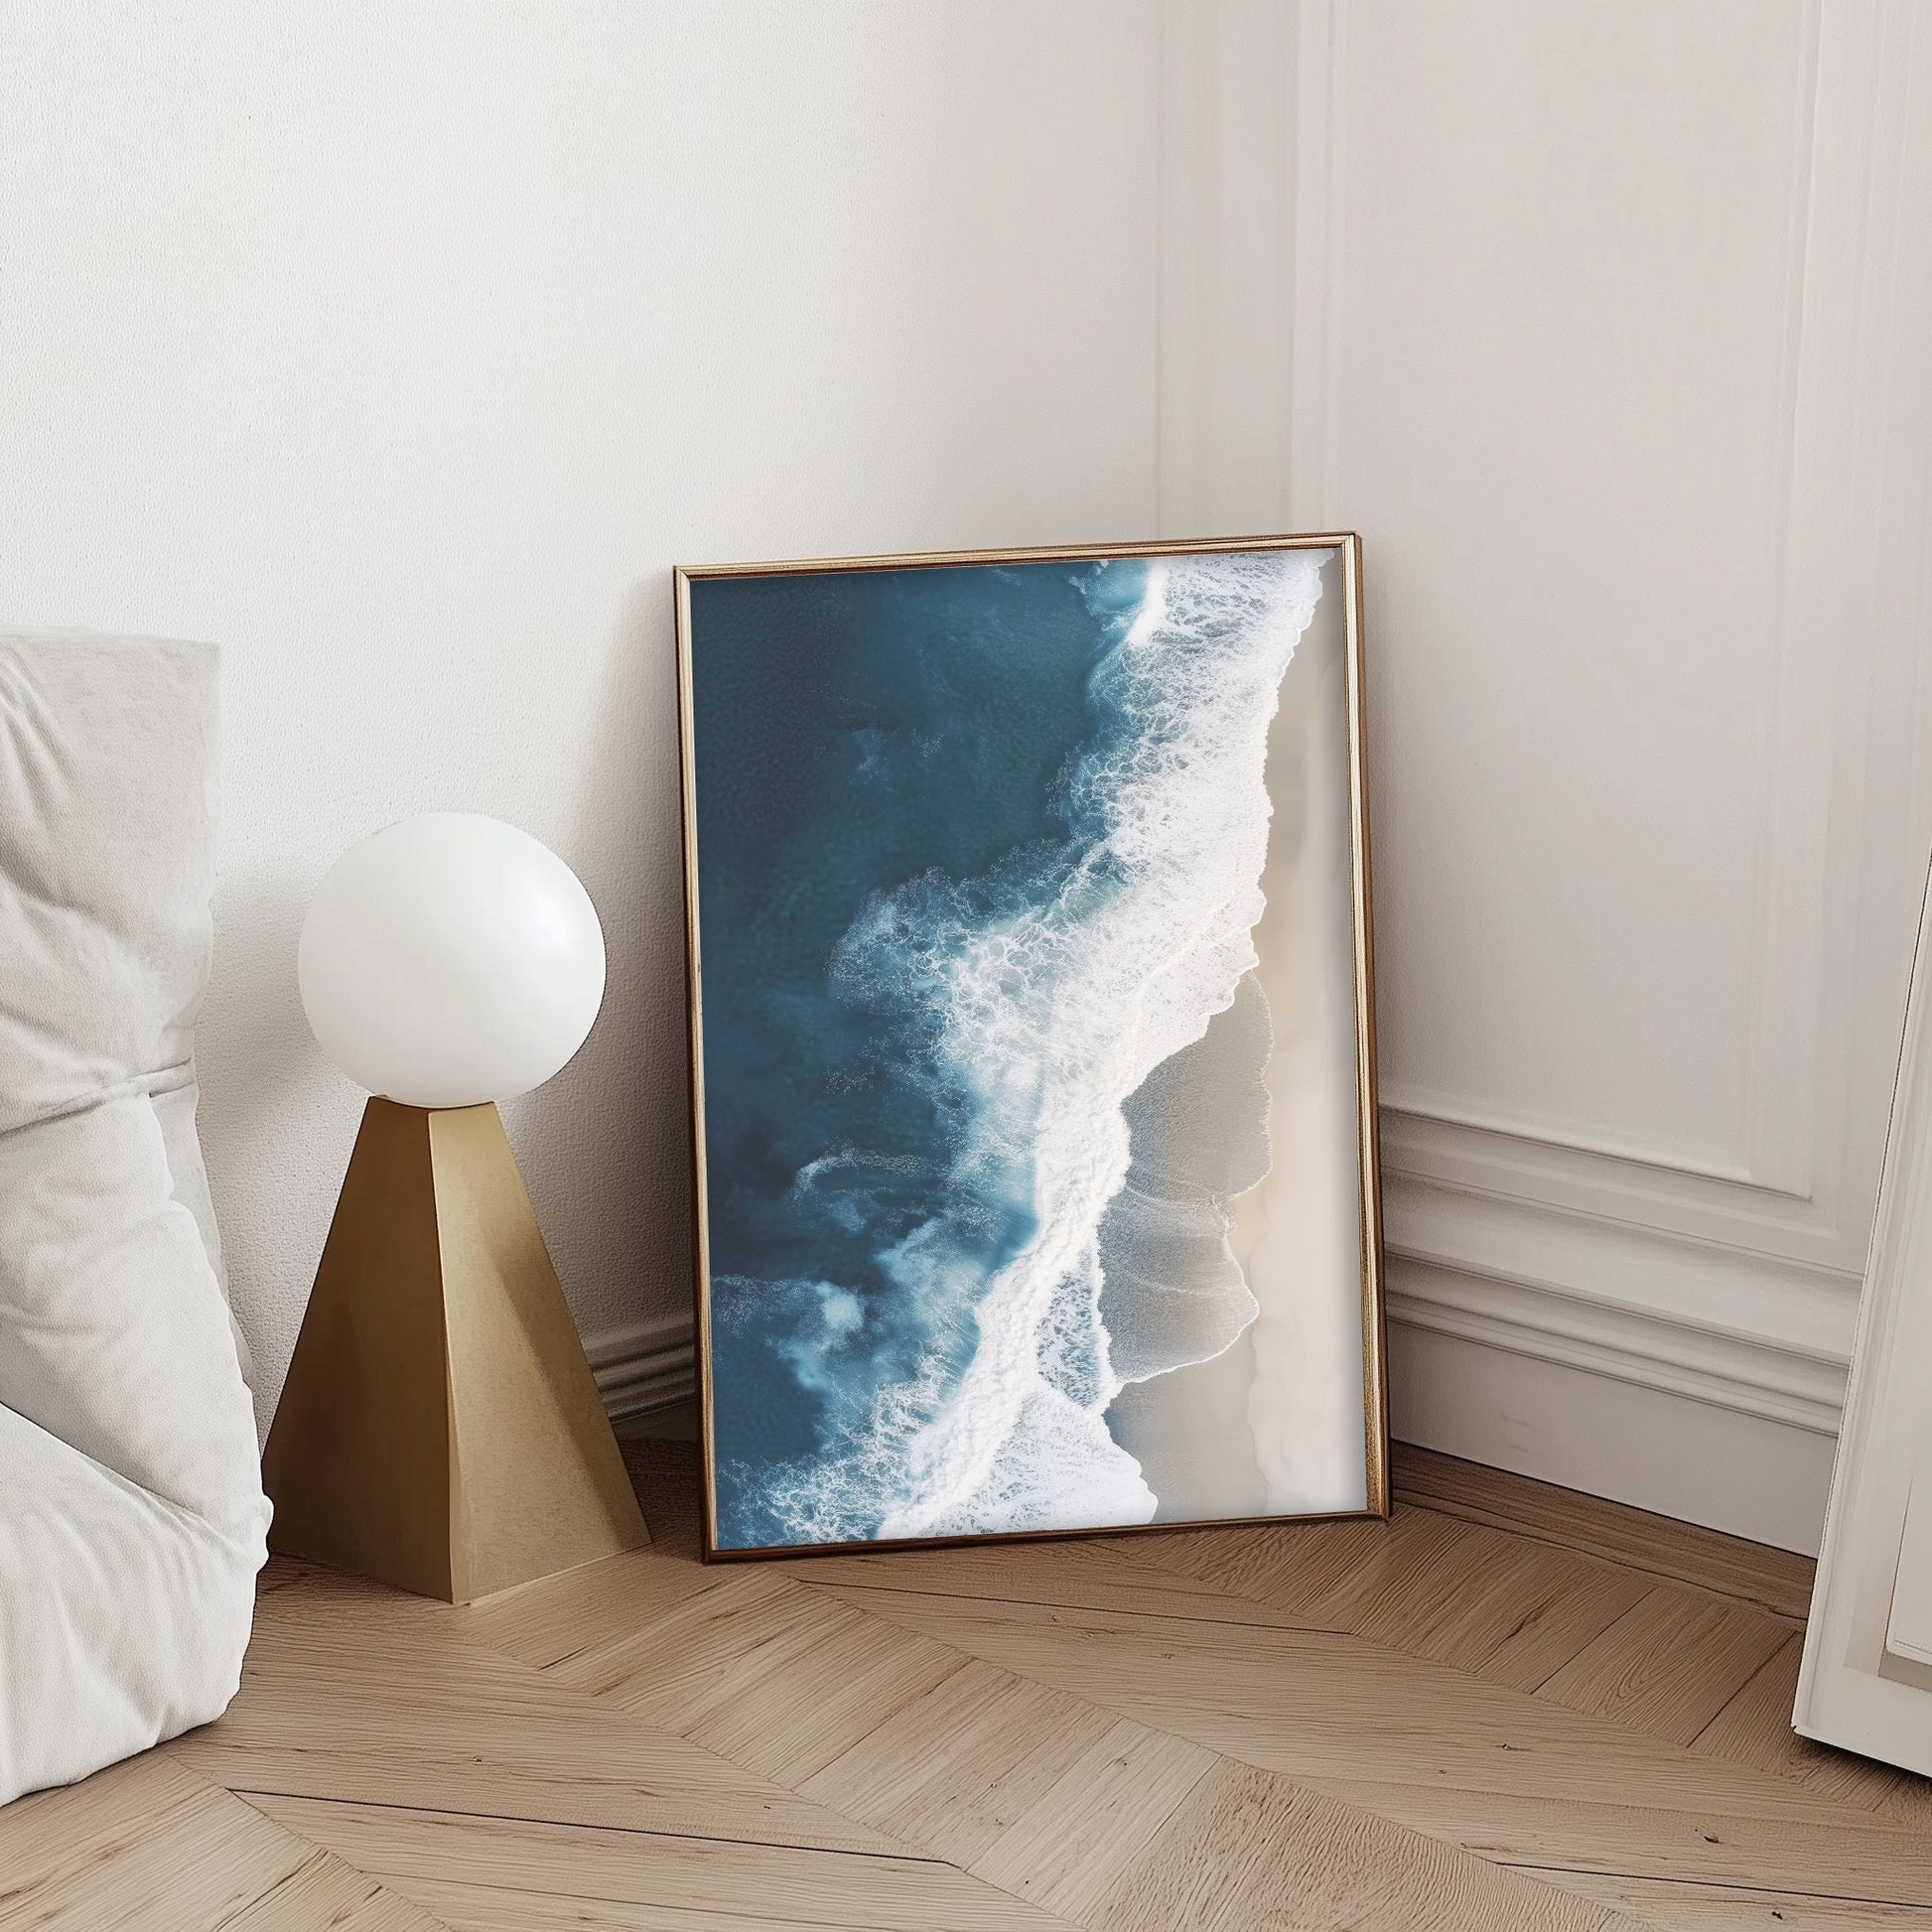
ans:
x=402 y=348
x=1611 y=331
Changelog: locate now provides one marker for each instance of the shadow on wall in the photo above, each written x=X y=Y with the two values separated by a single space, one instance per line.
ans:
x=267 y=1095
x=263 y=1045
x=604 y=1147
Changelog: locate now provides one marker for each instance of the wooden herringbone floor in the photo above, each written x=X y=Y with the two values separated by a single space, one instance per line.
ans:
x=1509 y=1707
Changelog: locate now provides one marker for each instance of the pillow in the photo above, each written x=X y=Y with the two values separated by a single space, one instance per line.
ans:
x=132 y=1521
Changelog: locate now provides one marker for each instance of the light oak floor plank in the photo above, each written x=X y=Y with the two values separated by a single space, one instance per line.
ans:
x=1910 y=1804
x=354 y=1693
x=1039 y=1792
x=1670 y=1664
x=465 y=1907
x=1303 y=1570
x=1507 y=1776
x=1727 y=1908
x=1512 y=1608
x=775 y=1677
x=420 y=1852
x=1749 y=1572
x=1248 y=1848
x=1461 y=1594
x=1293 y=1568
x=968 y=1762
x=1562 y=1614
x=1509 y=1707
x=1754 y=1728
x=1117 y=1824
x=1708 y=1847
x=1088 y=1836
x=1335 y=1705
x=1096 y=1573
x=1661 y=1657
x=543 y=1622
x=147 y=1844
x=327 y=1894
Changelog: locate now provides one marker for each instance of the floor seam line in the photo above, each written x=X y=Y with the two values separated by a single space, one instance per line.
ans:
x=245 y=1792
x=1720 y=1884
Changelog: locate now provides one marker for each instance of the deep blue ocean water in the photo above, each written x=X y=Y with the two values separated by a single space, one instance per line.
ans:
x=856 y=732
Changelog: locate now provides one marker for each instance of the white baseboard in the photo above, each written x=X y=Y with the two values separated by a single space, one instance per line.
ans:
x=645 y=1369
x=1630 y=1385
x=1609 y=1436
x=1688 y=1376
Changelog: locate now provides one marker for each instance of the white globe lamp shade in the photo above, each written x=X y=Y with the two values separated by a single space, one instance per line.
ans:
x=450 y=960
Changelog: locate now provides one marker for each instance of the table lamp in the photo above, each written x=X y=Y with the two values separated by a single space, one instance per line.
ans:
x=440 y=1428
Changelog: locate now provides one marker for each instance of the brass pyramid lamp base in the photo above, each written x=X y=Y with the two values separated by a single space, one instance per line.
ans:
x=440 y=1428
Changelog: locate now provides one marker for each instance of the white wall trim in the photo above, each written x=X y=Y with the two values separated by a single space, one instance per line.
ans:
x=1742 y=1332
x=647 y=1375
x=1772 y=1325
x=1591 y=1300
x=1728 y=1371
x=644 y=1367
x=1674 y=1453
x=1605 y=1269
x=1732 y=1401
x=1643 y=1190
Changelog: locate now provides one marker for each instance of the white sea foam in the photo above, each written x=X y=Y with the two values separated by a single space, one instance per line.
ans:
x=1051 y=1015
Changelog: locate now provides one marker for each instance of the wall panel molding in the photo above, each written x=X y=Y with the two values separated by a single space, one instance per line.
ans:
x=1544 y=1248
x=1693 y=1298
x=1676 y=1455
x=643 y=1368
x=1601 y=1301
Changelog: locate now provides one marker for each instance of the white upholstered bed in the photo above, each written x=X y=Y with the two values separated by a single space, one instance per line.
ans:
x=132 y=1521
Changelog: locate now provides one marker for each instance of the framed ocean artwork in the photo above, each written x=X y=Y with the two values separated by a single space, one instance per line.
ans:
x=1031 y=1042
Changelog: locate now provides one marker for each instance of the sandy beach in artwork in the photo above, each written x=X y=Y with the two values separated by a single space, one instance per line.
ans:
x=1274 y=1424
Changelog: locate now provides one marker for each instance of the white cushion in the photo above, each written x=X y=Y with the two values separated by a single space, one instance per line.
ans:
x=132 y=1520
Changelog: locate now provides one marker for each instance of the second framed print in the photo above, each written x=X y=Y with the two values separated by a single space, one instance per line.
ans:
x=1032 y=1039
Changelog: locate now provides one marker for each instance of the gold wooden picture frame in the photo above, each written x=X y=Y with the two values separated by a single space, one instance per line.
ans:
x=1032 y=1044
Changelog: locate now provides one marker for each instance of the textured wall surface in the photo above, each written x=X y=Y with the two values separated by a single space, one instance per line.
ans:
x=1611 y=332
x=401 y=349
